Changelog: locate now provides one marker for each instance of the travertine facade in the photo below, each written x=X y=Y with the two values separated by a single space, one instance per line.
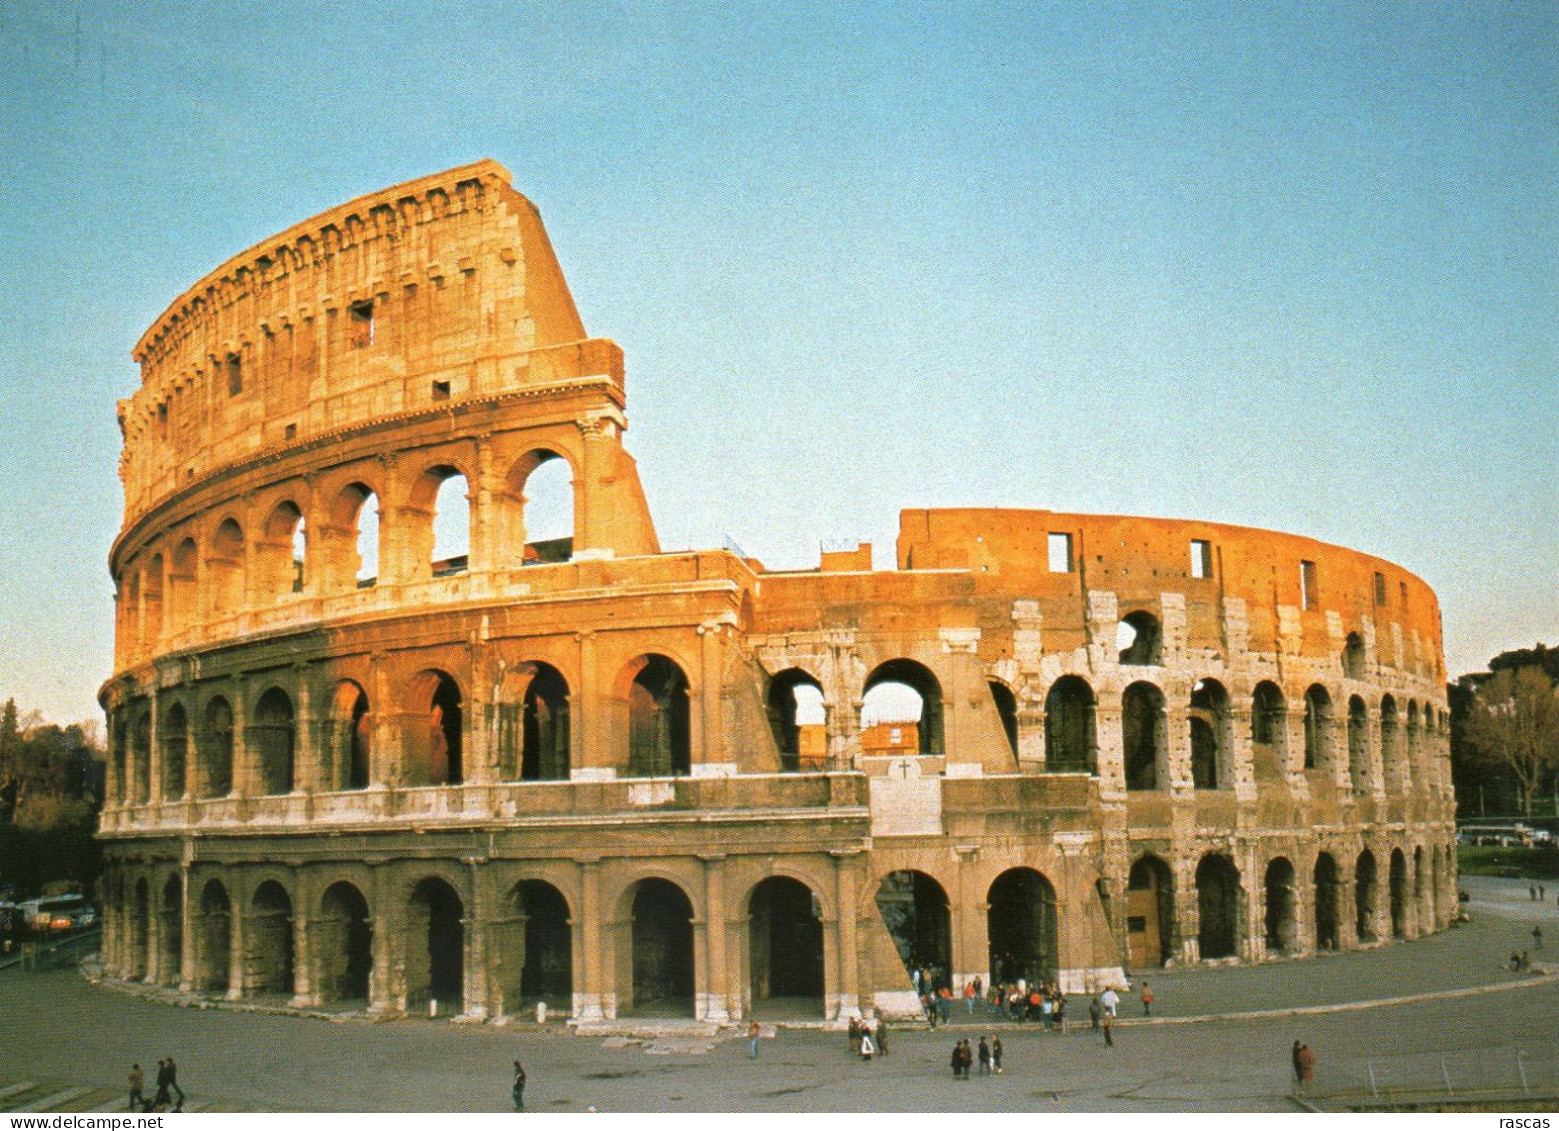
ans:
x=347 y=767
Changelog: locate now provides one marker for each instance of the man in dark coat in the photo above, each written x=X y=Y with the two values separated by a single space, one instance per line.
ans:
x=518 y=1091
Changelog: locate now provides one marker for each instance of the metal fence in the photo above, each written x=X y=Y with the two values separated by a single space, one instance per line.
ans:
x=1460 y=1074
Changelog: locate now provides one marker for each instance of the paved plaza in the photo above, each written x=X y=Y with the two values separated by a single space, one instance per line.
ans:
x=63 y=1034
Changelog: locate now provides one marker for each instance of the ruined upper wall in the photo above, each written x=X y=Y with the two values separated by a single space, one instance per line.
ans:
x=1139 y=559
x=440 y=289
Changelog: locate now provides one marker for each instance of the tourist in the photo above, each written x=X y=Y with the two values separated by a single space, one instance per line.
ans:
x=996 y=1053
x=882 y=1037
x=971 y=991
x=957 y=1060
x=1110 y=1000
x=928 y=1003
x=967 y=1058
x=985 y=1056
x=753 y=1033
x=944 y=1004
x=1094 y=1010
x=1304 y=1065
x=1060 y=1011
x=137 y=1082
x=867 y=1047
x=173 y=1083
x=1046 y=1010
x=518 y=1090
x=855 y=1034
x=1147 y=1001
x=1109 y=1028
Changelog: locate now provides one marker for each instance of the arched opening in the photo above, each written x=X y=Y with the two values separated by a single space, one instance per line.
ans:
x=1318 y=727
x=152 y=626
x=1139 y=639
x=170 y=936
x=662 y=948
x=1143 y=736
x=273 y=740
x=1415 y=769
x=435 y=754
x=798 y=719
x=1071 y=743
x=1364 y=896
x=547 y=967
x=659 y=740
x=1358 y=745
x=1282 y=928
x=785 y=946
x=1006 y=711
x=1150 y=912
x=354 y=557
x=352 y=736
x=1268 y=730
x=182 y=596
x=542 y=482
x=217 y=750
x=544 y=723
x=1353 y=666
x=1328 y=900
x=213 y=945
x=1209 y=720
x=1218 y=906
x=175 y=751
x=268 y=940
x=897 y=694
x=141 y=755
x=451 y=549
x=344 y=946
x=280 y=555
x=1398 y=888
x=1021 y=927
x=914 y=908
x=1390 y=750
x=435 y=947
x=140 y=930
x=225 y=569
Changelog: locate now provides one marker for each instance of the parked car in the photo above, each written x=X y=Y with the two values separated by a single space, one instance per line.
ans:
x=58 y=913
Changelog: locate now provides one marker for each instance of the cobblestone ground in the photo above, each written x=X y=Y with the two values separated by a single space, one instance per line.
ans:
x=62 y=1033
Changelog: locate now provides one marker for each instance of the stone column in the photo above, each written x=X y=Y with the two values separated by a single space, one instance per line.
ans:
x=590 y=719
x=1242 y=755
x=969 y=955
x=237 y=967
x=1111 y=752
x=848 y=994
x=591 y=1003
x=305 y=749
x=304 y=993
x=710 y=750
x=381 y=993
x=713 y=1000
x=154 y=748
x=186 y=925
x=475 y=974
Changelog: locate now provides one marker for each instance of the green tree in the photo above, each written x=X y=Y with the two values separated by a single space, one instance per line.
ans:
x=1513 y=725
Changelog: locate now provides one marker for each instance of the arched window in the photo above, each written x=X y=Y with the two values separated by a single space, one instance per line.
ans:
x=225 y=569
x=1143 y=736
x=1218 y=900
x=151 y=600
x=1268 y=728
x=280 y=554
x=1353 y=665
x=1209 y=720
x=659 y=737
x=544 y=744
x=1358 y=744
x=541 y=483
x=352 y=734
x=217 y=750
x=451 y=552
x=798 y=719
x=901 y=695
x=182 y=611
x=141 y=756
x=354 y=557
x=1318 y=727
x=1070 y=743
x=175 y=752
x=1139 y=639
x=274 y=740
x=440 y=761
x=1390 y=746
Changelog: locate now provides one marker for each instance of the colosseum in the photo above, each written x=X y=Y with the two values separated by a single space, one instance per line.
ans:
x=412 y=713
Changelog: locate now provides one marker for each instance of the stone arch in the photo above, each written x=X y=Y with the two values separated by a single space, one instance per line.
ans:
x=659 y=724
x=216 y=749
x=1071 y=737
x=1397 y=887
x=1218 y=906
x=141 y=754
x=785 y=943
x=1281 y=907
x=1328 y=902
x=1318 y=727
x=183 y=599
x=1006 y=704
x=915 y=909
x=1150 y=912
x=1365 y=894
x=1358 y=744
x=175 y=751
x=660 y=963
x=544 y=725
x=434 y=946
x=281 y=552
x=1021 y=927
x=541 y=484
x=152 y=625
x=1139 y=639
x=1397 y=781
x=170 y=933
x=542 y=932
x=1144 y=736
x=213 y=939
x=434 y=751
x=1268 y=730
x=1354 y=663
x=351 y=551
x=441 y=485
x=1211 y=749
x=351 y=732
x=273 y=739
x=883 y=694
x=269 y=962
x=343 y=943
x=797 y=717
x=225 y=569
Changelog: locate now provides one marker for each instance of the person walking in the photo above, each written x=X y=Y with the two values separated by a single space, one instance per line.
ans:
x=867 y=1046
x=985 y=1057
x=996 y=1053
x=1147 y=1000
x=517 y=1091
x=1294 y=1058
x=1110 y=1000
x=161 y=1099
x=1304 y=1061
x=1109 y=1029
x=882 y=1037
x=1095 y=1010
x=969 y=994
x=173 y=1083
x=1047 y=1009
x=944 y=1004
x=968 y=1058
x=855 y=1034
x=137 y=1082
x=957 y=1060
x=754 y=1031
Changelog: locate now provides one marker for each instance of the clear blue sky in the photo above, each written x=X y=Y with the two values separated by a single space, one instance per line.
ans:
x=1289 y=266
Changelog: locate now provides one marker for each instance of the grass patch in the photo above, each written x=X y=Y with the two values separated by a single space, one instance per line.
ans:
x=1510 y=863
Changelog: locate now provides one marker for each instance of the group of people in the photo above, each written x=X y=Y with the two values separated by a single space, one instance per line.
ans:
x=990 y=1053
x=167 y=1088
x=1538 y=893
x=868 y=1037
